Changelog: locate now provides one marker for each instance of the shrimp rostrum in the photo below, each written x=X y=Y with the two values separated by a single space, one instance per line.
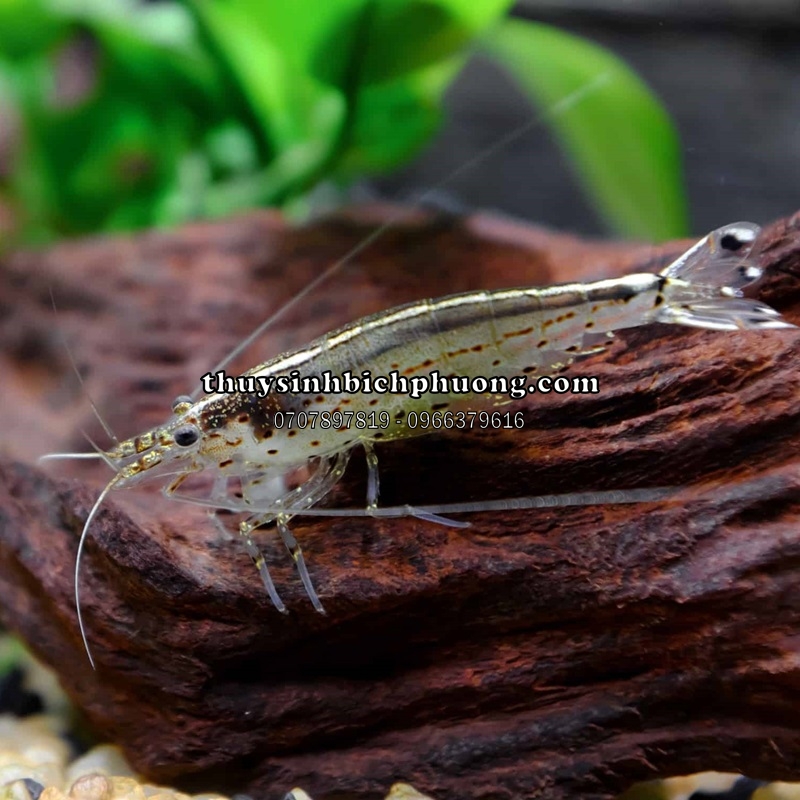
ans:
x=244 y=441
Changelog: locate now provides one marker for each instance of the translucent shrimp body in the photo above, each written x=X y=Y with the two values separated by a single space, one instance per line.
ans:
x=237 y=438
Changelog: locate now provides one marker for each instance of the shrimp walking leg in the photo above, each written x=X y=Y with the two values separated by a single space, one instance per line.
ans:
x=324 y=479
x=224 y=534
x=261 y=565
x=437 y=519
x=218 y=494
x=296 y=552
x=373 y=492
x=373 y=477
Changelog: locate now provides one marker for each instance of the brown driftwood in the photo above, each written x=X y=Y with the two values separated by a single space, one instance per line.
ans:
x=556 y=653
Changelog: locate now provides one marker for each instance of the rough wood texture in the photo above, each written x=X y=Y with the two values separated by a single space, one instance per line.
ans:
x=560 y=654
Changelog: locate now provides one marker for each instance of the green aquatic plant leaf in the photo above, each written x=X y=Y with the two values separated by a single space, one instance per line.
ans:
x=342 y=88
x=26 y=28
x=102 y=158
x=619 y=137
x=401 y=37
x=205 y=107
x=404 y=55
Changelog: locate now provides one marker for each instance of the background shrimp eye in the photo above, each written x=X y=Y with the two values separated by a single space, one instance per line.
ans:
x=184 y=437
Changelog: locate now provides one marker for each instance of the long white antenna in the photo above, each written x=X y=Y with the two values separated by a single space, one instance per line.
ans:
x=78 y=556
x=432 y=512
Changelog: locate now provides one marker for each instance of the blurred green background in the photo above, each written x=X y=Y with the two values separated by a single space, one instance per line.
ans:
x=124 y=114
x=120 y=114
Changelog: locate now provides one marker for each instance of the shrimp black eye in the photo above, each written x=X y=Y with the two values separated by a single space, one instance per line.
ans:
x=730 y=241
x=187 y=436
x=735 y=237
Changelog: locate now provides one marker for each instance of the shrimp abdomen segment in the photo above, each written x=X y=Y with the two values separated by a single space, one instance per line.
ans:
x=492 y=333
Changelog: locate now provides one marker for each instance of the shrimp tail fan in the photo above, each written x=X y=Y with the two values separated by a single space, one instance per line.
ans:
x=703 y=288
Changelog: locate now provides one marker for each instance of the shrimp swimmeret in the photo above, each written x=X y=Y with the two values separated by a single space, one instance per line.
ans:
x=251 y=441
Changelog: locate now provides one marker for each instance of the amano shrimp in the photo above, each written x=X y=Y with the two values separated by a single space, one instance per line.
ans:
x=235 y=437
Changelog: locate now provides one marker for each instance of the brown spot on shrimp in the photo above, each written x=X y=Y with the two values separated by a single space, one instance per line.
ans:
x=512 y=334
x=428 y=362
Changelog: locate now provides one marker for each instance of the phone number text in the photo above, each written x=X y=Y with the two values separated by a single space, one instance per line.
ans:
x=383 y=420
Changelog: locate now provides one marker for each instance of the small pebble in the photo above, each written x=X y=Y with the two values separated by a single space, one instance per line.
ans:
x=165 y=794
x=35 y=742
x=34 y=788
x=778 y=791
x=53 y=793
x=16 y=768
x=93 y=786
x=402 y=791
x=296 y=794
x=22 y=789
x=127 y=789
x=105 y=759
